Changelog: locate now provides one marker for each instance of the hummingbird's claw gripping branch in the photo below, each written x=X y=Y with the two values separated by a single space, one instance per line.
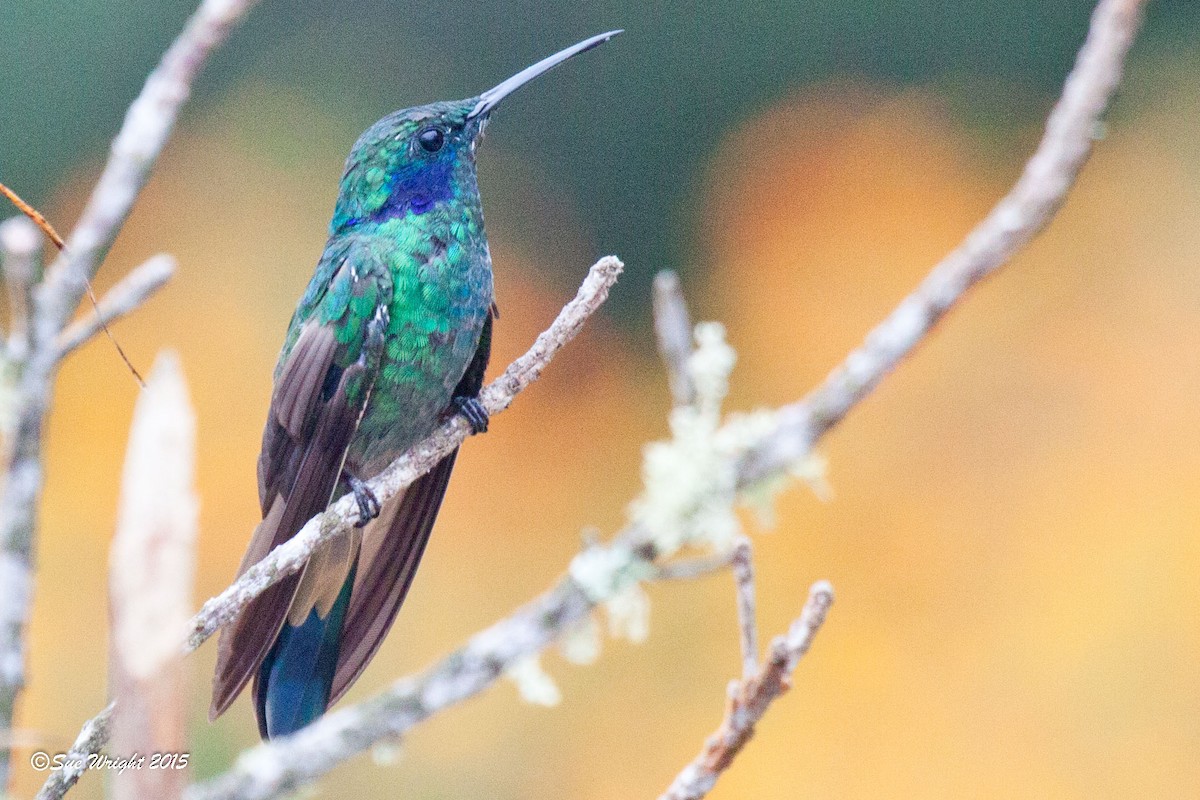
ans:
x=473 y=412
x=368 y=503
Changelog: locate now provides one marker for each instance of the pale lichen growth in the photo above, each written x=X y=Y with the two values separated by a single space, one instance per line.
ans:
x=691 y=480
x=692 y=491
x=760 y=497
x=533 y=683
x=602 y=572
x=629 y=614
x=581 y=643
x=387 y=753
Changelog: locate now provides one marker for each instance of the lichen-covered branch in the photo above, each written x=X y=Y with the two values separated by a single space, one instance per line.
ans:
x=126 y=296
x=750 y=698
x=90 y=739
x=145 y=130
x=1024 y=212
x=778 y=446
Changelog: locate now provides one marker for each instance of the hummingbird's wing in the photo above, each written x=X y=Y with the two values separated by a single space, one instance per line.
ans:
x=320 y=392
x=392 y=547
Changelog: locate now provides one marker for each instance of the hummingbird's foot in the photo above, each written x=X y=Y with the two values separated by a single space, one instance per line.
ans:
x=473 y=411
x=368 y=503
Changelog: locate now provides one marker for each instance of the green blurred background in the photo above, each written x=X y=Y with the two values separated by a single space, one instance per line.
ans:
x=1013 y=534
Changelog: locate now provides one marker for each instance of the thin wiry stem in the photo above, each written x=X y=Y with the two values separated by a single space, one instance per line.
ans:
x=129 y=294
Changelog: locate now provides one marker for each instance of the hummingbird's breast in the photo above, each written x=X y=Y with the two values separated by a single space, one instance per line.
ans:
x=441 y=277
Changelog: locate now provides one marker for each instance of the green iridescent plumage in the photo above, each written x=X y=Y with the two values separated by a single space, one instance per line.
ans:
x=392 y=334
x=431 y=271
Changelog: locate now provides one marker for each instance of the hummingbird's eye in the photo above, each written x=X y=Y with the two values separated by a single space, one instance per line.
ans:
x=431 y=139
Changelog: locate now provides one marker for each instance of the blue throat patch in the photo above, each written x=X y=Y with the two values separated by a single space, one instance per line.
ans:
x=417 y=190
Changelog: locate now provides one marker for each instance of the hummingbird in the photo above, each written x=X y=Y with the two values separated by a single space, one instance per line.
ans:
x=391 y=337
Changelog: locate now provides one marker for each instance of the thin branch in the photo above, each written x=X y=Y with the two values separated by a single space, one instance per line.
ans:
x=34 y=216
x=750 y=698
x=673 y=328
x=1023 y=213
x=91 y=738
x=692 y=568
x=125 y=297
x=146 y=128
x=743 y=576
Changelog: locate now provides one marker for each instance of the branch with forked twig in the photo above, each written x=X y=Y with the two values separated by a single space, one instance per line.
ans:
x=723 y=458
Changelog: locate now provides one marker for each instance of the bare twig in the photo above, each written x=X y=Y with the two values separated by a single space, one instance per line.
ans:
x=1022 y=214
x=743 y=576
x=145 y=130
x=692 y=568
x=151 y=571
x=123 y=298
x=91 y=738
x=673 y=328
x=750 y=698
x=147 y=126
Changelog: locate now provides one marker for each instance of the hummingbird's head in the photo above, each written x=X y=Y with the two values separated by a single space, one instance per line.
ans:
x=412 y=160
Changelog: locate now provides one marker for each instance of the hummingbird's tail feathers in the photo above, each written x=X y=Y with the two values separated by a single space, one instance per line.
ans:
x=245 y=641
x=299 y=467
x=391 y=551
x=293 y=683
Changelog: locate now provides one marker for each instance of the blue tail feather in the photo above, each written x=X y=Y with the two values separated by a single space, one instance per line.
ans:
x=296 y=676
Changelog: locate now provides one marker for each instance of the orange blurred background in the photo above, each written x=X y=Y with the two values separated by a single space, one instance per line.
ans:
x=1012 y=536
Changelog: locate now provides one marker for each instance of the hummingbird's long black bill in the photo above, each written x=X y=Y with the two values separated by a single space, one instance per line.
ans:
x=489 y=99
